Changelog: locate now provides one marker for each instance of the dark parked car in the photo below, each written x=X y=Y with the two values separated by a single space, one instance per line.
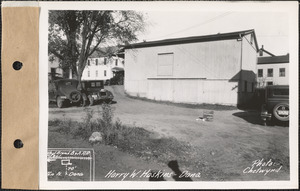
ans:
x=94 y=89
x=118 y=79
x=63 y=91
x=276 y=106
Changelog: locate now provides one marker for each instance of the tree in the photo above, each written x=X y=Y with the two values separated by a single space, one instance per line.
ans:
x=76 y=35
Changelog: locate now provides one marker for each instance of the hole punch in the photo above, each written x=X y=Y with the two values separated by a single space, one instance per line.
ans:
x=17 y=65
x=18 y=144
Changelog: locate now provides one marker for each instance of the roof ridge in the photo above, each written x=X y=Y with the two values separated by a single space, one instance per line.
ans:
x=190 y=39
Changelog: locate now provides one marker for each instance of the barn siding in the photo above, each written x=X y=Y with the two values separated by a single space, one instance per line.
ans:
x=204 y=72
x=211 y=60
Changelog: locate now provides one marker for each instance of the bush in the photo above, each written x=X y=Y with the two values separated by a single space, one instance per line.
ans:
x=86 y=128
x=104 y=124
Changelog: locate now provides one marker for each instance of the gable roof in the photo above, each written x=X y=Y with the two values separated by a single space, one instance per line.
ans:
x=274 y=59
x=194 y=39
x=98 y=54
x=106 y=52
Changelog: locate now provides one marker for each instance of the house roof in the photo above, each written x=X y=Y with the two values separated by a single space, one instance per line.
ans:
x=274 y=59
x=98 y=54
x=106 y=52
x=194 y=39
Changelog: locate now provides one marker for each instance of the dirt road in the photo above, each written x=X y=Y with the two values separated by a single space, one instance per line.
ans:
x=231 y=143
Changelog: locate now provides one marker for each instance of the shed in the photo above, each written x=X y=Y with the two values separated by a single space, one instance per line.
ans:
x=212 y=69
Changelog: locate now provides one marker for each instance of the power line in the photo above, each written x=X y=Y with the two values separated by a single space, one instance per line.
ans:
x=200 y=24
x=273 y=35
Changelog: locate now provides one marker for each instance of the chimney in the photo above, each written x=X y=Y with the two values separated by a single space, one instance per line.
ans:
x=261 y=52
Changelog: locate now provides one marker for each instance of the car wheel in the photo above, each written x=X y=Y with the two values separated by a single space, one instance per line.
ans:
x=281 y=112
x=91 y=100
x=59 y=102
x=75 y=96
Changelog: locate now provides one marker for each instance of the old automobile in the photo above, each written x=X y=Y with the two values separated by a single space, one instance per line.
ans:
x=64 y=91
x=94 y=89
x=276 y=106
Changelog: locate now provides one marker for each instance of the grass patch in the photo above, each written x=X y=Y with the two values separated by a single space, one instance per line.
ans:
x=131 y=139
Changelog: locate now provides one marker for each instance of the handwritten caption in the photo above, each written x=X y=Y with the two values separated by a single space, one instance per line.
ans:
x=70 y=164
x=262 y=166
x=149 y=174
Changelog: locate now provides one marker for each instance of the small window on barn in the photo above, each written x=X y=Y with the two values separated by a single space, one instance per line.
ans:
x=281 y=72
x=96 y=62
x=116 y=62
x=105 y=60
x=245 y=86
x=89 y=63
x=165 y=64
x=260 y=73
x=88 y=73
x=270 y=72
x=96 y=73
x=104 y=72
x=251 y=39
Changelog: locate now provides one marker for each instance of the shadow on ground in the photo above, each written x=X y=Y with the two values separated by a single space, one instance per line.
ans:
x=253 y=117
x=69 y=105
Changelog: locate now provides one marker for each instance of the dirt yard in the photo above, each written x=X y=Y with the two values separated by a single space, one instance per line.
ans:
x=223 y=149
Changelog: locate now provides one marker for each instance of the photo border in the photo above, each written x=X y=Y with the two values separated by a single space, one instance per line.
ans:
x=290 y=7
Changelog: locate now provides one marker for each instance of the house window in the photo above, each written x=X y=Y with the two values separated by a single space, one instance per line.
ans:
x=260 y=73
x=89 y=63
x=269 y=83
x=116 y=62
x=165 y=64
x=104 y=72
x=96 y=62
x=281 y=72
x=270 y=72
x=96 y=73
x=105 y=60
x=88 y=73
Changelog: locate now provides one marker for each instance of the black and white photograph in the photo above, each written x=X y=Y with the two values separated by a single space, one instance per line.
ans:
x=168 y=95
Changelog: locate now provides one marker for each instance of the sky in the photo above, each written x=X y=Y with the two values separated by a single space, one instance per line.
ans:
x=271 y=28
